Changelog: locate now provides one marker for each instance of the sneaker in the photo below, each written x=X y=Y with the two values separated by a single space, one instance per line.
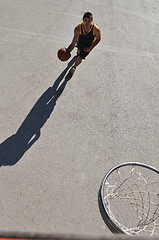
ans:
x=71 y=72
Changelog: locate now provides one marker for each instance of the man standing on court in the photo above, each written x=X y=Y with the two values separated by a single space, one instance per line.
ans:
x=86 y=35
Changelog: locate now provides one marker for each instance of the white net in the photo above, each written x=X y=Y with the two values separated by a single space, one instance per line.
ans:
x=131 y=197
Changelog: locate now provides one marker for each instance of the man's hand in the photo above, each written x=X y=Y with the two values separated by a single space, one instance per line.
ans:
x=87 y=49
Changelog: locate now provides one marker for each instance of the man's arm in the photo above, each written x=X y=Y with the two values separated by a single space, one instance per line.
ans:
x=98 y=38
x=75 y=39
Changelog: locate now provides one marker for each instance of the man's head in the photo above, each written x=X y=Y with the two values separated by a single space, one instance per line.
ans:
x=87 y=18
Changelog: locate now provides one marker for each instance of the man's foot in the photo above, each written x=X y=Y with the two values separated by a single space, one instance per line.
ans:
x=71 y=72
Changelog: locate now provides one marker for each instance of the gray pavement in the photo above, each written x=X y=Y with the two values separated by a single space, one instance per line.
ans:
x=54 y=156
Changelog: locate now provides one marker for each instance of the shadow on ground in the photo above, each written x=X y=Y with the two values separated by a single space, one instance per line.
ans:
x=14 y=147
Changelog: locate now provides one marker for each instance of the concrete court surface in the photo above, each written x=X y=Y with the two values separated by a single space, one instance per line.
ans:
x=53 y=156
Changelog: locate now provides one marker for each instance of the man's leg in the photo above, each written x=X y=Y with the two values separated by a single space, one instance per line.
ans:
x=78 y=61
x=81 y=55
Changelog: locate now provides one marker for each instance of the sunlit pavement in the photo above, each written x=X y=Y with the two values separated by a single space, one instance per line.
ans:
x=59 y=138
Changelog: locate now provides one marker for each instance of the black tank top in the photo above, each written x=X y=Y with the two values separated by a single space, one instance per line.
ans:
x=86 y=39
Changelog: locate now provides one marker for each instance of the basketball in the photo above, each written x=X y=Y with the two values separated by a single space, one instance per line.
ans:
x=63 y=55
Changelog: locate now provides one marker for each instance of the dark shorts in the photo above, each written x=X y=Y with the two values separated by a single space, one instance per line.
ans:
x=82 y=53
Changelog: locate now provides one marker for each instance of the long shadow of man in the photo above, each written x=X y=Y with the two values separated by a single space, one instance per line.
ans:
x=14 y=147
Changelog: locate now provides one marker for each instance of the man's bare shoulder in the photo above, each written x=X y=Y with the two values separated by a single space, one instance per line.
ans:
x=97 y=29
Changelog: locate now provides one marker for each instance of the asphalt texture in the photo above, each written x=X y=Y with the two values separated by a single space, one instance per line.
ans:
x=58 y=137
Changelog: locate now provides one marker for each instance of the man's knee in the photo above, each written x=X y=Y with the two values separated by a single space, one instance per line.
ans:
x=79 y=59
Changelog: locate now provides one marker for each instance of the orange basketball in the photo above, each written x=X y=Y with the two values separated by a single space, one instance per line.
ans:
x=63 y=55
